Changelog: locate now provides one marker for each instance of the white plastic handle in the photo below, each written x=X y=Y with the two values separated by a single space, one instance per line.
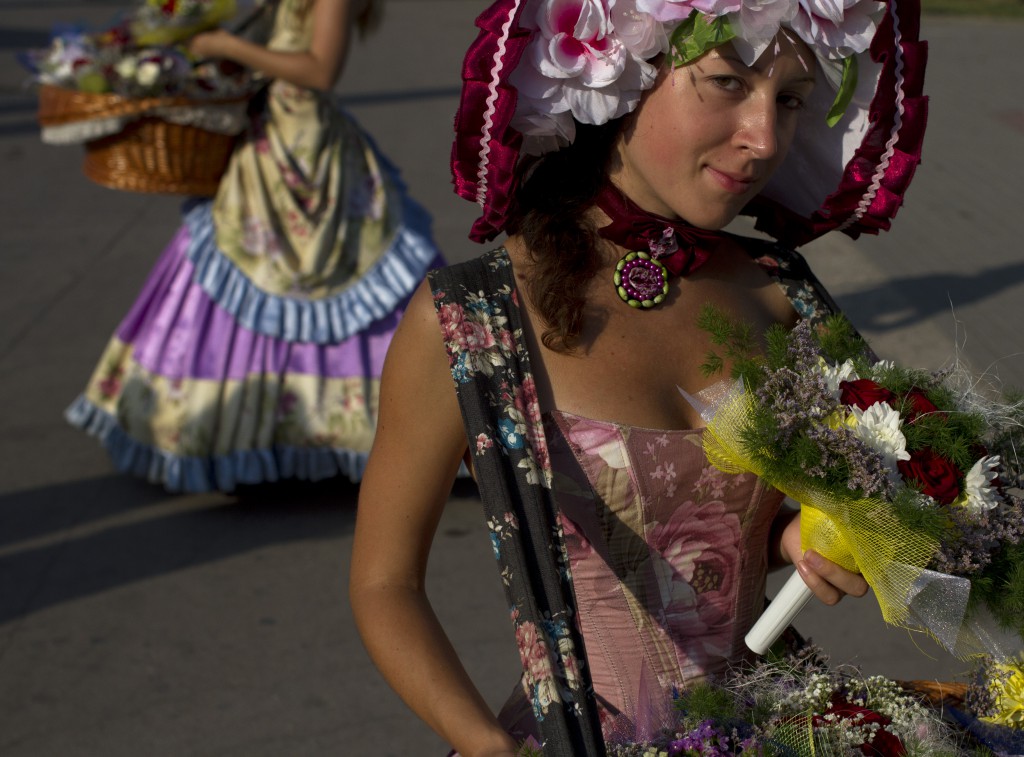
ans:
x=781 y=611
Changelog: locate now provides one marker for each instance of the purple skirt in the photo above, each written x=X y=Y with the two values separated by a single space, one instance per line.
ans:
x=209 y=383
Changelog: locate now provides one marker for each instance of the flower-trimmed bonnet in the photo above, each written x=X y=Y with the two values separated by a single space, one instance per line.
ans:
x=539 y=66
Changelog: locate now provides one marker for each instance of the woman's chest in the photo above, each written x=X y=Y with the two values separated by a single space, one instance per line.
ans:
x=632 y=366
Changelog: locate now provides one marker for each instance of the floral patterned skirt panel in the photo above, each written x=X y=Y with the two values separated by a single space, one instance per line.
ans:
x=314 y=231
x=187 y=396
x=669 y=560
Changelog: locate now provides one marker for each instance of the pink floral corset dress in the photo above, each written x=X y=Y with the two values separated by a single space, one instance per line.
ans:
x=669 y=558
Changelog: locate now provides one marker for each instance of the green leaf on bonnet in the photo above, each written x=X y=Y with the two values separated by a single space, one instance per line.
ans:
x=846 y=89
x=696 y=35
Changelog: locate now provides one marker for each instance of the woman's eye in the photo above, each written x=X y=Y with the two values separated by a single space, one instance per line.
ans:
x=728 y=83
x=792 y=102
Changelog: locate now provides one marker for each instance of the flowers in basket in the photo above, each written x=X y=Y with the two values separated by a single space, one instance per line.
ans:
x=165 y=22
x=795 y=706
x=140 y=56
x=904 y=475
x=993 y=708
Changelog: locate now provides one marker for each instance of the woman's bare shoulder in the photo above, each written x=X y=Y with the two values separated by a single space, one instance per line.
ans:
x=418 y=338
x=419 y=416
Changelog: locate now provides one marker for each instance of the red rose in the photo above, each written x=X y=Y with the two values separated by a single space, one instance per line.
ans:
x=916 y=402
x=884 y=743
x=938 y=477
x=863 y=393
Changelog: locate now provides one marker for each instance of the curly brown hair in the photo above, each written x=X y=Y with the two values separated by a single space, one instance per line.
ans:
x=550 y=212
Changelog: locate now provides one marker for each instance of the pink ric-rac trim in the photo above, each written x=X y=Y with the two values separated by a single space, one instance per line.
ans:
x=492 y=98
x=890 y=146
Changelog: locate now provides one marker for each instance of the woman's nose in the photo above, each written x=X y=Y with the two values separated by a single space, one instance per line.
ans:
x=758 y=131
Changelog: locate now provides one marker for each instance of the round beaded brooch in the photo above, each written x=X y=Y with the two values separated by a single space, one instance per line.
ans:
x=641 y=281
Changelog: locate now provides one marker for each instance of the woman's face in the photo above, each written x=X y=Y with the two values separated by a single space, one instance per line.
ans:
x=708 y=136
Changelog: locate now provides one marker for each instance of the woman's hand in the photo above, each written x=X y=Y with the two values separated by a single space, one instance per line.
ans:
x=829 y=581
x=826 y=579
x=213 y=44
x=315 y=68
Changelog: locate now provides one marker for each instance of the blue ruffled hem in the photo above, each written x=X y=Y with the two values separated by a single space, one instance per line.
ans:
x=224 y=473
x=330 y=320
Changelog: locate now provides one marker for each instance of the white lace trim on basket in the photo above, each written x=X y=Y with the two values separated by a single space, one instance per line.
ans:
x=221 y=118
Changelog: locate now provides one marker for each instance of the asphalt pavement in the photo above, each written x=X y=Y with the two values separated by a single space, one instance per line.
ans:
x=134 y=622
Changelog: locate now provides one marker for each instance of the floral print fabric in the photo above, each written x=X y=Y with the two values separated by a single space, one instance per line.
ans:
x=668 y=557
x=305 y=207
x=480 y=320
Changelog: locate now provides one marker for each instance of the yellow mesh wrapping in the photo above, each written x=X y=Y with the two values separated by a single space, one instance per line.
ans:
x=862 y=535
x=797 y=738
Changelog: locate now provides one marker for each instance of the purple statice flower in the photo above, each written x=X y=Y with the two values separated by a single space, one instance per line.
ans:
x=703 y=740
x=798 y=397
x=980 y=699
x=868 y=473
x=789 y=396
x=980 y=536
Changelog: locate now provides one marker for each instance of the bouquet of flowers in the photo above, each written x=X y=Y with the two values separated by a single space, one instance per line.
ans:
x=795 y=706
x=903 y=475
x=140 y=56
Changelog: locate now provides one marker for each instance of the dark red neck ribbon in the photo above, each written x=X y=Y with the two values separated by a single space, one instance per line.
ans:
x=681 y=247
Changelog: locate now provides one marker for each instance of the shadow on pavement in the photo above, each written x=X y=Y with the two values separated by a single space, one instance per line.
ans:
x=64 y=542
x=890 y=306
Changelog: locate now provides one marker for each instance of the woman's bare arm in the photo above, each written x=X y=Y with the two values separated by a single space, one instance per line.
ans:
x=316 y=68
x=419 y=444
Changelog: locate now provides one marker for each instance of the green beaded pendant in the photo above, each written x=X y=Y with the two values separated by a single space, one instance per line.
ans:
x=640 y=280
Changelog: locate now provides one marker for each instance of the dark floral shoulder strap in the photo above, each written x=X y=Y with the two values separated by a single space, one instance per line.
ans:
x=478 y=310
x=789 y=269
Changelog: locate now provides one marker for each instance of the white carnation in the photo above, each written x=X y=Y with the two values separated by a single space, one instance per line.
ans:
x=836 y=374
x=978 y=485
x=148 y=73
x=879 y=428
x=126 y=67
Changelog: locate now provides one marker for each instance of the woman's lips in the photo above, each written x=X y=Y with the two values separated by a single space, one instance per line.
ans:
x=734 y=183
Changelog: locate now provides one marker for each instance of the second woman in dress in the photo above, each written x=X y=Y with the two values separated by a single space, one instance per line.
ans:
x=254 y=352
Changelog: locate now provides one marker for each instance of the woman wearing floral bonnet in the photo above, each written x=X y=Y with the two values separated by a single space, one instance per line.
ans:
x=612 y=141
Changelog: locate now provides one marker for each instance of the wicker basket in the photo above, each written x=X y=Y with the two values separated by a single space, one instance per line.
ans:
x=149 y=154
x=938 y=694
